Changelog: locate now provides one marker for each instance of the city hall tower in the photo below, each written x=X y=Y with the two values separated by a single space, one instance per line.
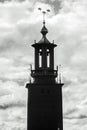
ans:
x=44 y=110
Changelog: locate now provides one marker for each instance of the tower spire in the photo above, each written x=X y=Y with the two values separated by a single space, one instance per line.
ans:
x=44 y=13
x=44 y=30
x=44 y=93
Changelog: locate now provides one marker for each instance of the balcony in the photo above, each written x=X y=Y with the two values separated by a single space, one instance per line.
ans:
x=44 y=72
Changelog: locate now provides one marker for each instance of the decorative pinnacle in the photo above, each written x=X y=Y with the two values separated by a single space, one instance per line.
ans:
x=44 y=13
x=60 y=74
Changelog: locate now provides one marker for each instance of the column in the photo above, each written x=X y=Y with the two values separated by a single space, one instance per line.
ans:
x=52 y=58
x=36 y=58
x=44 y=57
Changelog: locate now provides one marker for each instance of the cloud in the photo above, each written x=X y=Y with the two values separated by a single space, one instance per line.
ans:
x=13 y=100
x=11 y=96
x=13 y=119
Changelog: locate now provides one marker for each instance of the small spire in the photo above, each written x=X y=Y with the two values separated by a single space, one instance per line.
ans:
x=30 y=66
x=30 y=80
x=60 y=74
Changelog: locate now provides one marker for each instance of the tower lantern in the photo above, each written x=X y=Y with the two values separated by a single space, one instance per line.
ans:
x=44 y=94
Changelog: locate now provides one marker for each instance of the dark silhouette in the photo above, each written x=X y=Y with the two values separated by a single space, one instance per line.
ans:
x=45 y=93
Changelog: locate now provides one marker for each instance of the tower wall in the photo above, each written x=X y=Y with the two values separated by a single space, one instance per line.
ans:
x=44 y=94
x=45 y=106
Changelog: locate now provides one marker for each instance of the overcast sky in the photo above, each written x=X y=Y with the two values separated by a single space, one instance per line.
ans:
x=20 y=25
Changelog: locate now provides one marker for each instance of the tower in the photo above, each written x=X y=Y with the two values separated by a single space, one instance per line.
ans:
x=44 y=109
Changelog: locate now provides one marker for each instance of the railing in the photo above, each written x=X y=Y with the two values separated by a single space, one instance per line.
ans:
x=44 y=72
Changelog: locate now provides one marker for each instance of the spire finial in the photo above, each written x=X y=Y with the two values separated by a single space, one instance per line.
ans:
x=44 y=13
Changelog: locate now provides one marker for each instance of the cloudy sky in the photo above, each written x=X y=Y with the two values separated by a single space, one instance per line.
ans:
x=20 y=25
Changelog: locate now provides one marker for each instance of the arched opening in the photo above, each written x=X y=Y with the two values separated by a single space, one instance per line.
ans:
x=48 y=58
x=40 y=58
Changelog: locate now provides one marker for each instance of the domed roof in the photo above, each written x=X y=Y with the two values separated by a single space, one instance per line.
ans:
x=44 y=30
x=44 y=40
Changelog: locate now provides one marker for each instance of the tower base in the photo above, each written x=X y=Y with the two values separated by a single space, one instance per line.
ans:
x=44 y=107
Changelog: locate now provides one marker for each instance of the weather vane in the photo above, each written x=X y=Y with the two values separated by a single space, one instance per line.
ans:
x=44 y=13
